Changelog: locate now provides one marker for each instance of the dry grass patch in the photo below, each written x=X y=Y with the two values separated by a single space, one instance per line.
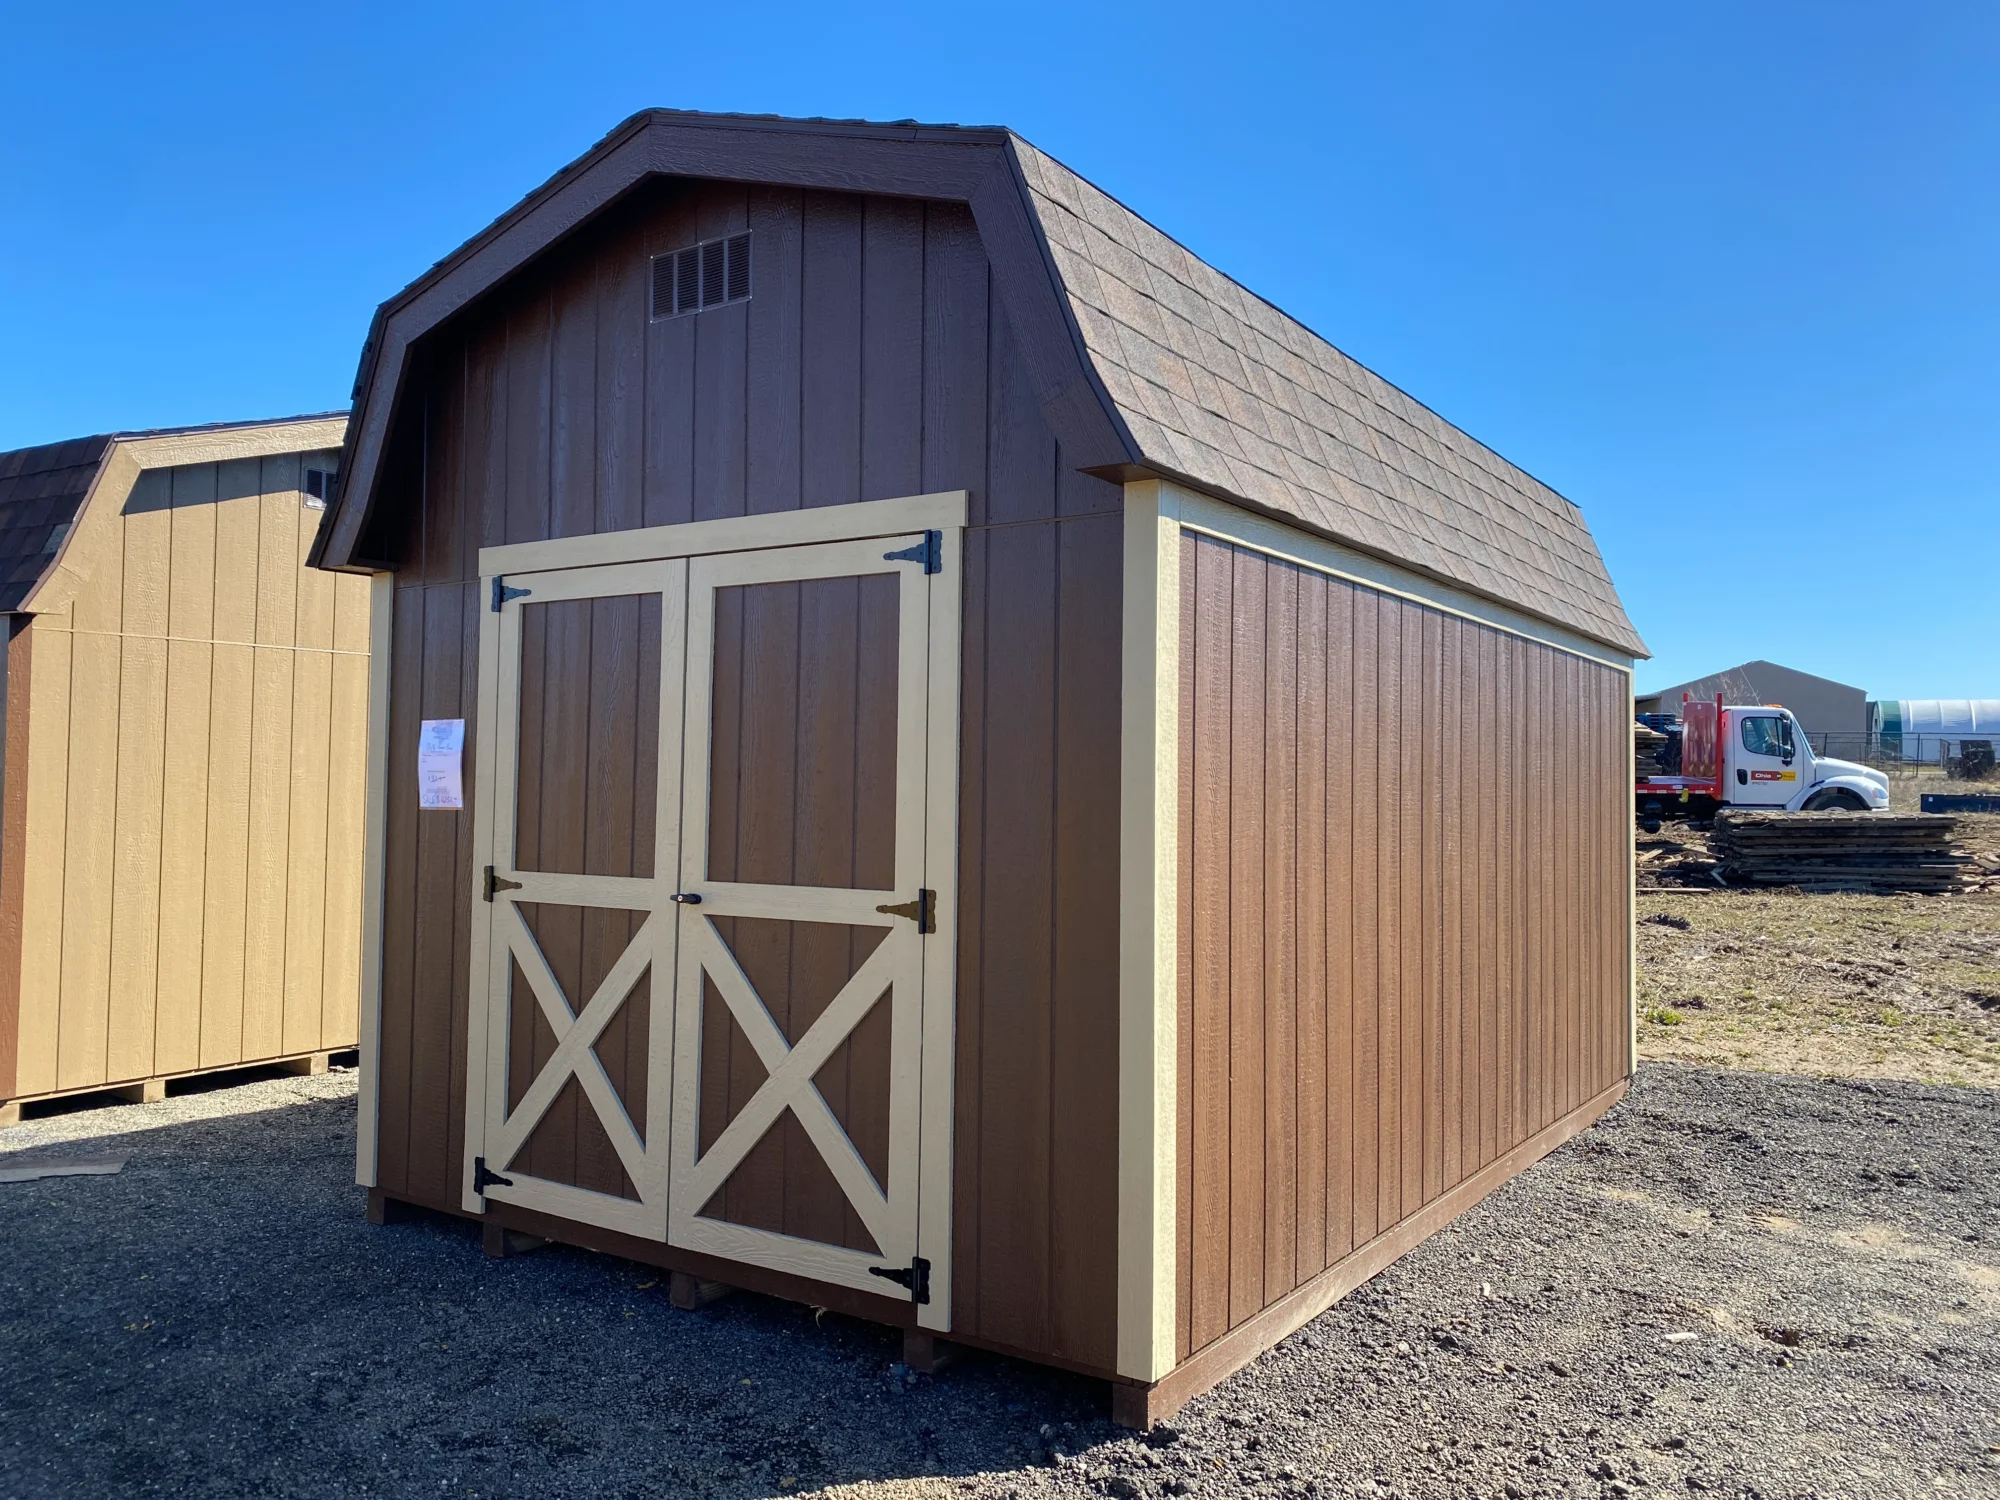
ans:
x=1849 y=986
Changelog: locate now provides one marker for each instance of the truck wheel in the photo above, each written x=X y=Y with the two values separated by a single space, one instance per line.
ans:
x=1835 y=799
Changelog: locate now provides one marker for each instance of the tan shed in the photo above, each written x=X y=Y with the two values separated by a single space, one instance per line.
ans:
x=185 y=743
x=1008 y=787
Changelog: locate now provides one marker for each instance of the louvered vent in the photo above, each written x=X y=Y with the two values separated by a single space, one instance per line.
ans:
x=701 y=276
x=319 y=485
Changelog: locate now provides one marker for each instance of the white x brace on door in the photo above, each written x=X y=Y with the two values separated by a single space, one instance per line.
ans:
x=748 y=1050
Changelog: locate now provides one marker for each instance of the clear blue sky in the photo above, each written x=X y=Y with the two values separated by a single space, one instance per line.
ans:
x=1726 y=275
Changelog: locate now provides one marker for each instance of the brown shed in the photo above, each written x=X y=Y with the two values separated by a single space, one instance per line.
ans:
x=186 y=727
x=1008 y=787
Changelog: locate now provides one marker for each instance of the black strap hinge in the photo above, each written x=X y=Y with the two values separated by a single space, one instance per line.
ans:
x=501 y=593
x=922 y=911
x=916 y=1276
x=929 y=552
x=483 y=1179
x=495 y=884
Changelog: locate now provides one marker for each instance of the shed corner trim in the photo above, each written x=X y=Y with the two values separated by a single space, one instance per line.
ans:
x=374 y=843
x=1148 y=962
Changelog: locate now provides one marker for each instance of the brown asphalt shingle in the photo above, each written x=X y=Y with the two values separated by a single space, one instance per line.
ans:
x=1216 y=384
x=40 y=490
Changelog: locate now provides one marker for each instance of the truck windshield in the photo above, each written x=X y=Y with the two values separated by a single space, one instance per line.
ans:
x=1767 y=736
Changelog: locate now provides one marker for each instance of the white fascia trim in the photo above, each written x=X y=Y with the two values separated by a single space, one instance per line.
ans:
x=1231 y=523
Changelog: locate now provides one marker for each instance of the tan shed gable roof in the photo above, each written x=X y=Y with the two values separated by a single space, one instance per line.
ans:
x=1146 y=359
x=52 y=494
x=1221 y=388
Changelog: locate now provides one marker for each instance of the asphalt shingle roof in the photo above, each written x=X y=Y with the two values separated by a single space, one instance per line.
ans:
x=1217 y=385
x=40 y=491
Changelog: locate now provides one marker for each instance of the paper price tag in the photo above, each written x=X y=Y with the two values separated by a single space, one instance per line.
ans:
x=440 y=764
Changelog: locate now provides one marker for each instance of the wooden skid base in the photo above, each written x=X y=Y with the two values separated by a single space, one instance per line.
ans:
x=153 y=1090
x=926 y=1353
x=1141 y=1406
x=697 y=1279
x=689 y=1292
x=501 y=1243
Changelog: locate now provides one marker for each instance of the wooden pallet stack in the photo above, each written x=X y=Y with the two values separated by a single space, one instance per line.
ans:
x=1846 y=851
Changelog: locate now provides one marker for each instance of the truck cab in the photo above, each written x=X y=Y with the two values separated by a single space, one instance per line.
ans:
x=1755 y=755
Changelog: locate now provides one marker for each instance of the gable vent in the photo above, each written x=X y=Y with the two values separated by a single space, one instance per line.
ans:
x=701 y=276
x=319 y=486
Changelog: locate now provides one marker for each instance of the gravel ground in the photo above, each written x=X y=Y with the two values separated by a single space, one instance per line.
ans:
x=1740 y=1284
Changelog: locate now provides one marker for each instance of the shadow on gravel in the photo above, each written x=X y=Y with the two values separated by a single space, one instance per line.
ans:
x=219 y=1319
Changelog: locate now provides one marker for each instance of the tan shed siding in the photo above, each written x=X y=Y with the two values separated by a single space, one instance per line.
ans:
x=1404 y=896
x=18 y=641
x=193 y=790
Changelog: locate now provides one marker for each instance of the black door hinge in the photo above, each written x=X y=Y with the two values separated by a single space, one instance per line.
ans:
x=501 y=593
x=483 y=1179
x=922 y=911
x=916 y=1276
x=495 y=884
x=929 y=552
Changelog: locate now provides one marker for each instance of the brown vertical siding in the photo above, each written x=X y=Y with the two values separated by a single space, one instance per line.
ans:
x=1403 y=898
x=870 y=361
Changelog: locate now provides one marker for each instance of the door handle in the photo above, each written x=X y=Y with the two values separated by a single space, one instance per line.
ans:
x=922 y=911
x=685 y=898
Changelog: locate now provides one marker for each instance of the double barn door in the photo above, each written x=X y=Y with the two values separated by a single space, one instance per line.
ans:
x=712 y=998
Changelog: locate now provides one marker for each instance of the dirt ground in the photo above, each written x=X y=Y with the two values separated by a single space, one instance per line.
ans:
x=1738 y=1284
x=1833 y=985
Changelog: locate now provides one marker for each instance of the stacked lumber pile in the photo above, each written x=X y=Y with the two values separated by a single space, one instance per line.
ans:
x=1843 y=851
x=1647 y=743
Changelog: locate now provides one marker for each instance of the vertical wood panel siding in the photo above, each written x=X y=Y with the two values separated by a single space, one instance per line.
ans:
x=870 y=361
x=1402 y=916
x=190 y=824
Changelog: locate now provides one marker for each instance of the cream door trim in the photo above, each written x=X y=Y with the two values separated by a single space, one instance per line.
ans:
x=901 y=1224
x=501 y=937
x=944 y=511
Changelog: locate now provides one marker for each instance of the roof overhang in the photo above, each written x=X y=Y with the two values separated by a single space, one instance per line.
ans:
x=974 y=166
x=128 y=456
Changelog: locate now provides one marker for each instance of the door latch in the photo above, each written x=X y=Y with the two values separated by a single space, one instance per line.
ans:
x=483 y=1179
x=495 y=883
x=922 y=911
x=929 y=552
x=501 y=593
x=916 y=1276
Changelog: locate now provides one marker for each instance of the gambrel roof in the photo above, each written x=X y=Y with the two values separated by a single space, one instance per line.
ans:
x=48 y=492
x=1148 y=361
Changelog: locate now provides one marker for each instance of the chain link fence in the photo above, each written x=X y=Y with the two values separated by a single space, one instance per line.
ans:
x=1959 y=758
